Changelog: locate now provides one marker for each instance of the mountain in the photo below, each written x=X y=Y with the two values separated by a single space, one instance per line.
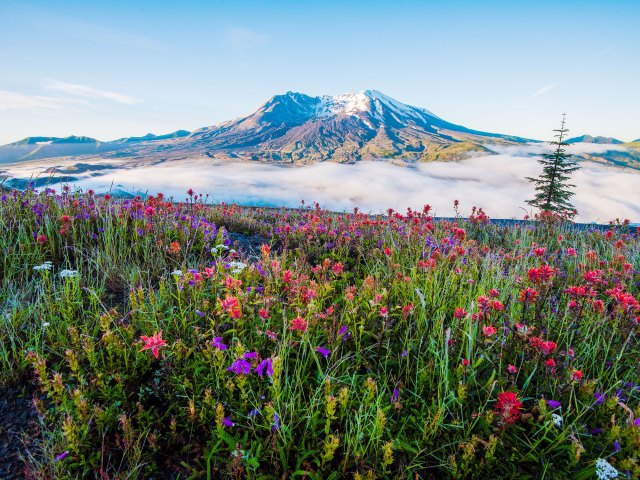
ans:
x=54 y=140
x=36 y=148
x=590 y=139
x=298 y=128
x=150 y=137
x=294 y=128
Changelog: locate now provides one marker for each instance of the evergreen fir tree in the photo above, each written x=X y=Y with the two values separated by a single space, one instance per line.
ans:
x=553 y=193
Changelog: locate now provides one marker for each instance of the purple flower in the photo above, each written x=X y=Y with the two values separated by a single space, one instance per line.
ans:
x=227 y=422
x=217 y=343
x=323 y=351
x=344 y=332
x=62 y=456
x=240 y=366
x=600 y=398
x=251 y=355
x=616 y=446
x=255 y=411
x=266 y=363
x=553 y=404
x=636 y=423
x=405 y=353
x=276 y=422
x=396 y=396
x=199 y=313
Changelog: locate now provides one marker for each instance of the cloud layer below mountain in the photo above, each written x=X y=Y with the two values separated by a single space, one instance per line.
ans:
x=497 y=183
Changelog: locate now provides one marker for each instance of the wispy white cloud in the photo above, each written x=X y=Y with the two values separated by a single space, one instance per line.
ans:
x=546 y=89
x=89 y=92
x=86 y=31
x=36 y=103
x=244 y=38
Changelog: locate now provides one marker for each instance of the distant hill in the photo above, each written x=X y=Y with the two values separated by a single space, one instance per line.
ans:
x=37 y=148
x=590 y=139
x=150 y=137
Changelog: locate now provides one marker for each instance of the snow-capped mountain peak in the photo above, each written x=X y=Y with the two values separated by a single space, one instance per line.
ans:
x=372 y=102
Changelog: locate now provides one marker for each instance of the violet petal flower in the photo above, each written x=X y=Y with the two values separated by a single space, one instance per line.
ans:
x=62 y=456
x=266 y=363
x=251 y=355
x=240 y=366
x=600 y=398
x=323 y=351
x=553 y=404
x=276 y=422
x=217 y=343
x=396 y=396
x=227 y=422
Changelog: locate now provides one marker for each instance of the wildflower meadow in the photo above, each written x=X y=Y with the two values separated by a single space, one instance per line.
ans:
x=156 y=341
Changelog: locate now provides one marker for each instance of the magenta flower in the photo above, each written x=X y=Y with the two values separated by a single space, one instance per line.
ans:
x=251 y=355
x=240 y=367
x=217 y=343
x=267 y=364
x=323 y=351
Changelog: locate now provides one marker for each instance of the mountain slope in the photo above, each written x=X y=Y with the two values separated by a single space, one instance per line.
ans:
x=591 y=139
x=37 y=148
x=298 y=128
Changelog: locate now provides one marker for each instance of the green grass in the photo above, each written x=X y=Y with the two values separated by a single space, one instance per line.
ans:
x=408 y=388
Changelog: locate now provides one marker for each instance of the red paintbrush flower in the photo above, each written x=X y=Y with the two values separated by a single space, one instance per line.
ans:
x=508 y=407
x=153 y=343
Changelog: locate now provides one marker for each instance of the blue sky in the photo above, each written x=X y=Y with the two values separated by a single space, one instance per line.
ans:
x=116 y=69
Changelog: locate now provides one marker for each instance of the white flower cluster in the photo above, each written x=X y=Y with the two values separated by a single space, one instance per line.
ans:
x=177 y=273
x=45 y=266
x=217 y=249
x=69 y=274
x=557 y=419
x=604 y=470
x=237 y=267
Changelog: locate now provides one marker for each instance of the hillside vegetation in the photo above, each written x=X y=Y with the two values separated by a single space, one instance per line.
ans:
x=328 y=346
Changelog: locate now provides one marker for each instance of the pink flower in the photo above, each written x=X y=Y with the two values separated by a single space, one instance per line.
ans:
x=489 y=330
x=512 y=369
x=153 y=343
x=299 y=324
x=460 y=312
